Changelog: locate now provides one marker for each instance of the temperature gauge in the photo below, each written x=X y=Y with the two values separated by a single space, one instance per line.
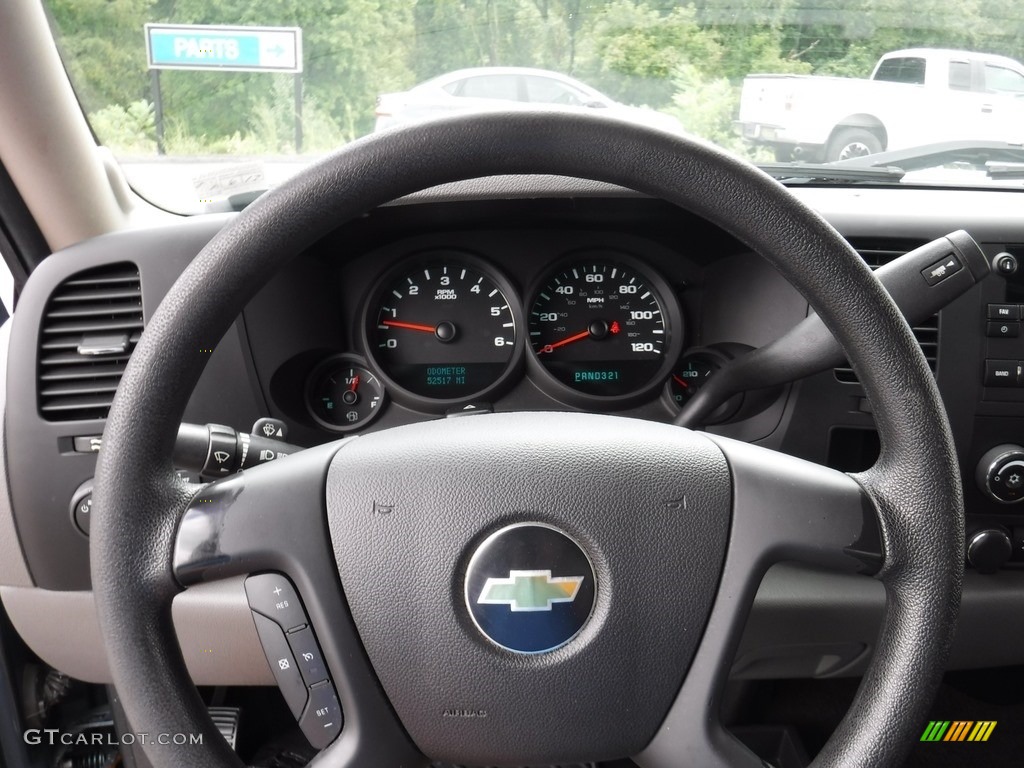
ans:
x=692 y=372
x=694 y=369
x=343 y=395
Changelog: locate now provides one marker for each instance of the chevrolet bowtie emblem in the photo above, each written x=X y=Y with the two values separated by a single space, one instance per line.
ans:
x=530 y=590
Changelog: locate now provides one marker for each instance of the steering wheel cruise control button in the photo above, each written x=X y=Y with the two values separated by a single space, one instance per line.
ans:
x=273 y=595
x=307 y=656
x=322 y=720
x=282 y=664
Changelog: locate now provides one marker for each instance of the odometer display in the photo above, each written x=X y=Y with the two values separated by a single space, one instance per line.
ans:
x=604 y=329
x=444 y=331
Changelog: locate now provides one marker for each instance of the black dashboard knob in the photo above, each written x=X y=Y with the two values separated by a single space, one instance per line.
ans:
x=989 y=549
x=1000 y=474
x=1005 y=264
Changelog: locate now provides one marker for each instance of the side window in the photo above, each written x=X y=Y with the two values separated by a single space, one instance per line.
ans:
x=960 y=75
x=1003 y=79
x=544 y=90
x=490 y=87
x=903 y=69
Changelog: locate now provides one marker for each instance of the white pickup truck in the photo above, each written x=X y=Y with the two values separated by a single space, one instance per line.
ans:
x=913 y=97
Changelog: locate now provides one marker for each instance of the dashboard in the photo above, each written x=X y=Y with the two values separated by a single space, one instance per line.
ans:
x=537 y=294
x=488 y=316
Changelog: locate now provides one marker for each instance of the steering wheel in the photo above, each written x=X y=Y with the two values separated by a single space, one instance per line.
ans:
x=527 y=588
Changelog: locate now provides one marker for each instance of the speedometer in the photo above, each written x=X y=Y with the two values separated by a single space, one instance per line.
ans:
x=604 y=330
x=444 y=329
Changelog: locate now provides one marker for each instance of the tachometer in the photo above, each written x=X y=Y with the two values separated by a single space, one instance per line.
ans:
x=605 y=330
x=444 y=330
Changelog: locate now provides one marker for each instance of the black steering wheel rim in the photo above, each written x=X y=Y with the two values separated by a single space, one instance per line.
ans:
x=914 y=485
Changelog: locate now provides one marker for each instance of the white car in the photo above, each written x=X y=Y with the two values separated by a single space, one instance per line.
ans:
x=484 y=89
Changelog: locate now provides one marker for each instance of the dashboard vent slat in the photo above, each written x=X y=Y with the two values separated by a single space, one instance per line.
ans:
x=876 y=255
x=74 y=373
x=73 y=358
x=113 y=322
x=96 y=304
x=97 y=309
x=91 y=387
x=98 y=294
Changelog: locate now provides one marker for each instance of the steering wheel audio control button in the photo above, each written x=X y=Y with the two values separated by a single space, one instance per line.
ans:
x=282 y=664
x=322 y=720
x=274 y=596
x=307 y=656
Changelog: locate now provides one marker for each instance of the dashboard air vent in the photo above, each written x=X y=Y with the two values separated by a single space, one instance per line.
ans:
x=92 y=323
x=880 y=253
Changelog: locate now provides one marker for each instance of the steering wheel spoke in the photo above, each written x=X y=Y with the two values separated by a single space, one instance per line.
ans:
x=784 y=509
x=788 y=509
x=269 y=518
x=270 y=521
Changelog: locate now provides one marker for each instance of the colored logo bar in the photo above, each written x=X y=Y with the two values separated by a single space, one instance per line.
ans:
x=530 y=590
x=958 y=730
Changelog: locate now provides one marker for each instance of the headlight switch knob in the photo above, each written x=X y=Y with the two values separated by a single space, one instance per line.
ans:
x=1000 y=474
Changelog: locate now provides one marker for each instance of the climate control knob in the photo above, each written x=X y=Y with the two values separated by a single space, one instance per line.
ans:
x=989 y=549
x=1000 y=474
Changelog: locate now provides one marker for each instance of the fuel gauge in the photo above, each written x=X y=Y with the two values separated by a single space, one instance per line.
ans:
x=343 y=395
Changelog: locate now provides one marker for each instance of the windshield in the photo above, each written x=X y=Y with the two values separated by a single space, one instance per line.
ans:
x=206 y=103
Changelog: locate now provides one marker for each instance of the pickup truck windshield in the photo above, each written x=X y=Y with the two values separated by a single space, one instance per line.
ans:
x=206 y=103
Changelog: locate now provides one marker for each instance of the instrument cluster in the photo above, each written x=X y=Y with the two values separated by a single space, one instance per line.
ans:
x=446 y=329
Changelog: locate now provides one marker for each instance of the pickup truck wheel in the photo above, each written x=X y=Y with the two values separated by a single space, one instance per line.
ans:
x=848 y=143
x=784 y=153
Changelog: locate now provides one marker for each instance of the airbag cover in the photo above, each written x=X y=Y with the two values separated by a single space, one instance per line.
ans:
x=649 y=504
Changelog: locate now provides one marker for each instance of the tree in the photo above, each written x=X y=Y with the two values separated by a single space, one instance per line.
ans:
x=633 y=49
x=103 y=48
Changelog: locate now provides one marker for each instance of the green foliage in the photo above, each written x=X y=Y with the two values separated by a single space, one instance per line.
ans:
x=858 y=61
x=126 y=130
x=634 y=49
x=103 y=48
x=706 y=106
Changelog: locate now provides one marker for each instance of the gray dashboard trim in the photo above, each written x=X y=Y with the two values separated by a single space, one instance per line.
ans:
x=798 y=612
x=13 y=568
x=215 y=631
